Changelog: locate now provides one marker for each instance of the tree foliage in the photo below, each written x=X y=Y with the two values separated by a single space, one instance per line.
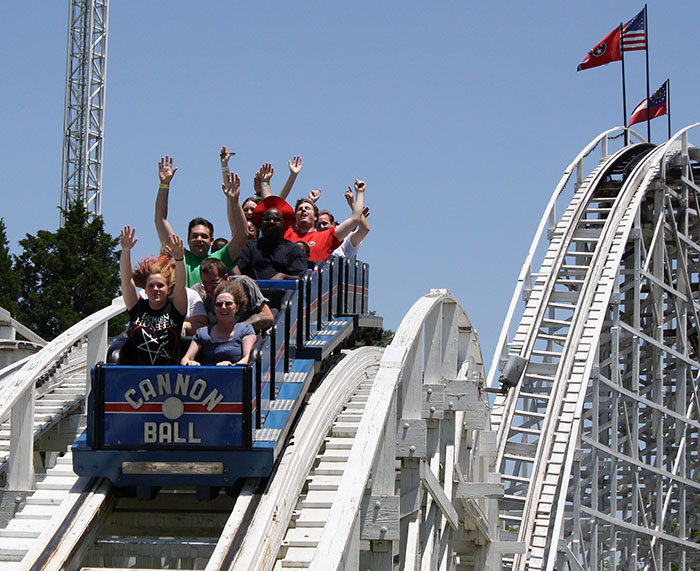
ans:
x=386 y=338
x=381 y=338
x=66 y=275
x=9 y=287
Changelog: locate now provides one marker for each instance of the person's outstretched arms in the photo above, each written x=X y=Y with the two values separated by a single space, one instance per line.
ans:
x=177 y=251
x=265 y=174
x=235 y=215
x=295 y=165
x=129 y=291
x=346 y=226
x=166 y=171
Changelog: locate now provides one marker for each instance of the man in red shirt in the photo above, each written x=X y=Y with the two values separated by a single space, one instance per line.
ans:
x=323 y=242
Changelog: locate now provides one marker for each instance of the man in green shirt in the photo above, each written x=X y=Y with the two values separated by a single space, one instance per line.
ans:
x=200 y=232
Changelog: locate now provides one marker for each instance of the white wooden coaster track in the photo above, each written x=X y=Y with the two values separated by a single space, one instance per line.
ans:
x=597 y=443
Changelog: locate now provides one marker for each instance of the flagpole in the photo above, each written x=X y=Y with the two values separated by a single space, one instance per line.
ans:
x=646 y=44
x=668 y=105
x=624 y=90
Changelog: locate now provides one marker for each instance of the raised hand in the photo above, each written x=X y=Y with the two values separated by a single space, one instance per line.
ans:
x=359 y=186
x=176 y=248
x=295 y=165
x=349 y=197
x=225 y=155
x=232 y=186
x=314 y=195
x=128 y=240
x=265 y=173
x=166 y=171
x=257 y=184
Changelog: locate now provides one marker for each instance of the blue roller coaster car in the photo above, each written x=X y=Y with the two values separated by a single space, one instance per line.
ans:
x=207 y=427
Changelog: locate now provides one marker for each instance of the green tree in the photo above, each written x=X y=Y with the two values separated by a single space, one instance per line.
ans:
x=386 y=338
x=381 y=338
x=9 y=286
x=66 y=275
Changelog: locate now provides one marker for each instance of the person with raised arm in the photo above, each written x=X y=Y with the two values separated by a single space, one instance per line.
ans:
x=322 y=243
x=261 y=183
x=352 y=242
x=200 y=232
x=155 y=323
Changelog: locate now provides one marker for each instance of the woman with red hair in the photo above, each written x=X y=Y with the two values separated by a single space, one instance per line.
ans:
x=155 y=323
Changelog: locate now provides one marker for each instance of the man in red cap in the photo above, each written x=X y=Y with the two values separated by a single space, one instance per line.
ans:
x=323 y=242
x=271 y=257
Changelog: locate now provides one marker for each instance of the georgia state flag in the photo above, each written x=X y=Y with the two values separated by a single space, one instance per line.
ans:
x=658 y=105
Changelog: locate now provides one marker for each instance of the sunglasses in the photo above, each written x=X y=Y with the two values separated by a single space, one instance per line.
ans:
x=223 y=304
x=272 y=218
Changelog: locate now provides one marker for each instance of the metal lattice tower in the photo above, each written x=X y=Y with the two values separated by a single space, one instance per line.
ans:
x=83 y=123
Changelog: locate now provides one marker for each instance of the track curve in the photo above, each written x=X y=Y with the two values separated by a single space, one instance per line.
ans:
x=609 y=323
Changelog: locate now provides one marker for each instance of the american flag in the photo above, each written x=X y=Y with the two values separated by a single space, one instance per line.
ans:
x=634 y=34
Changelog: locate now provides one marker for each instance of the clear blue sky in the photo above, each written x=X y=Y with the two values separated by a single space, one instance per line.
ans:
x=461 y=117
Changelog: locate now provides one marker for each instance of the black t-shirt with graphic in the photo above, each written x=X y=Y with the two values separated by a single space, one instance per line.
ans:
x=154 y=335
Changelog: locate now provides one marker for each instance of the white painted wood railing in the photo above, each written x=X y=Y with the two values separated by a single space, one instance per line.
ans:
x=10 y=324
x=423 y=402
x=17 y=392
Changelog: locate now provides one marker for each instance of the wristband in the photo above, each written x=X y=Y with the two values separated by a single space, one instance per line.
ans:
x=178 y=259
x=164 y=186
